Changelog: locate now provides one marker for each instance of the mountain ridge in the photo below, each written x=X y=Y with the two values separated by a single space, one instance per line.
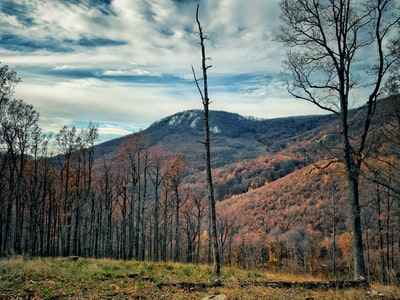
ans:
x=233 y=137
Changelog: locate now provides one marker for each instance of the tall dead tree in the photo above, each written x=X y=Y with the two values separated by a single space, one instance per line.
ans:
x=337 y=51
x=206 y=101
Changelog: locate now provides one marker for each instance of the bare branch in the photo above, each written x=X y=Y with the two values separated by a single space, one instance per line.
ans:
x=197 y=84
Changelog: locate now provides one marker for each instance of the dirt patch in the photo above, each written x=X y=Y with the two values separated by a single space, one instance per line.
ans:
x=310 y=285
x=192 y=286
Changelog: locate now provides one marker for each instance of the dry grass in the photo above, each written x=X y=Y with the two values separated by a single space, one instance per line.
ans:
x=51 y=278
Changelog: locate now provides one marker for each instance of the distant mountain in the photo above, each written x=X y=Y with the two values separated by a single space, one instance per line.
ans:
x=234 y=138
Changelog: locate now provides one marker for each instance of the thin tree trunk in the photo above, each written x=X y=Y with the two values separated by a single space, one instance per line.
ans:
x=356 y=228
x=165 y=234
x=142 y=221
x=380 y=234
x=156 y=234
x=211 y=198
x=177 y=225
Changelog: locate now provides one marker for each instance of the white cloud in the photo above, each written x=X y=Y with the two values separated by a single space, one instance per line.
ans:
x=145 y=39
x=128 y=72
x=79 y=84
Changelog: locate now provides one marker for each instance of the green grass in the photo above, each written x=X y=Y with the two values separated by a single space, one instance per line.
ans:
x=41 y=278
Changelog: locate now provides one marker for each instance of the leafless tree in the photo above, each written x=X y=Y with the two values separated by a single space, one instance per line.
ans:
x=206 y=101
x=8 y=81
x=226 y=230
x=157 y=156
x=328 y=40
x=176 y=168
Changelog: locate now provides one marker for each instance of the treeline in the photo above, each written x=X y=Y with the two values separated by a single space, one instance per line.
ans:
x=56 y=200
x=133 y=206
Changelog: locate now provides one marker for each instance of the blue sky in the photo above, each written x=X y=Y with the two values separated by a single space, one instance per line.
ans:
x=125 y=64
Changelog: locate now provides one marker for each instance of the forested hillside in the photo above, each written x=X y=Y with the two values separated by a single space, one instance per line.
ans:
x=143 y=196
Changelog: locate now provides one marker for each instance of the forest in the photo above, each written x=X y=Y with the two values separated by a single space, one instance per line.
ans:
x=277 y=211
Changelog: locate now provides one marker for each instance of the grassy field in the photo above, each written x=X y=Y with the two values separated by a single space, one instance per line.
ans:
x=61 y=278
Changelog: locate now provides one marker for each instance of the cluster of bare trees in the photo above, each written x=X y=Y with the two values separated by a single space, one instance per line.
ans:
x=55 y=200
x=381 y=211
x=131 y=207
x=148 y=211
x=19 y=136
x=41 y=197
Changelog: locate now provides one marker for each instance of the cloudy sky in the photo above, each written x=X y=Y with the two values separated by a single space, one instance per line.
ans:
x=125 y=64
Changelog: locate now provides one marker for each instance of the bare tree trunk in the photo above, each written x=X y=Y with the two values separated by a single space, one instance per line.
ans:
x=398 y=227
x=177 y=226
x=206 y=102
x=143 y=198
x=380 y=234
x=124 y=228
x=356 y=228
x=156 y=177
x=165 y=230
x=388 y=227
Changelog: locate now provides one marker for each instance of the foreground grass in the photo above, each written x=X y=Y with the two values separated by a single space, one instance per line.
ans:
x=59 y=278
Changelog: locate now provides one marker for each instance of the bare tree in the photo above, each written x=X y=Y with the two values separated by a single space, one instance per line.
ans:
x=67 y=145
x=226 y=228
x=157 y=156
x=200 y=210
x=206 y=101
x=133 y=160
x=165 y=204
x=328 y=41
x=8 y=81
x=392 y=85
x=176 y=167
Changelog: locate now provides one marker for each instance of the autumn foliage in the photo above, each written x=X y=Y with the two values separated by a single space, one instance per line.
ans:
x=285 y=210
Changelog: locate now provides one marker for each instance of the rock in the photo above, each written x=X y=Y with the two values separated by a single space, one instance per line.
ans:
x=375 y=294
x=71 y=258
x=215 y=297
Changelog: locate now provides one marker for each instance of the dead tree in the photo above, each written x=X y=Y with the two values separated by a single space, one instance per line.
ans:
x=206 y=101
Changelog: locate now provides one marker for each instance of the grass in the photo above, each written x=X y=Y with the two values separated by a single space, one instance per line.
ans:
x=51 y=278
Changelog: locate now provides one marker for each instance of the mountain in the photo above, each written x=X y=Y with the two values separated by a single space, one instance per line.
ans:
x=234 y=138
x=247 y=152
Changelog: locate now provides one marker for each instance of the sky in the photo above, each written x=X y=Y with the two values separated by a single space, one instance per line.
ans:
x=124 y=64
